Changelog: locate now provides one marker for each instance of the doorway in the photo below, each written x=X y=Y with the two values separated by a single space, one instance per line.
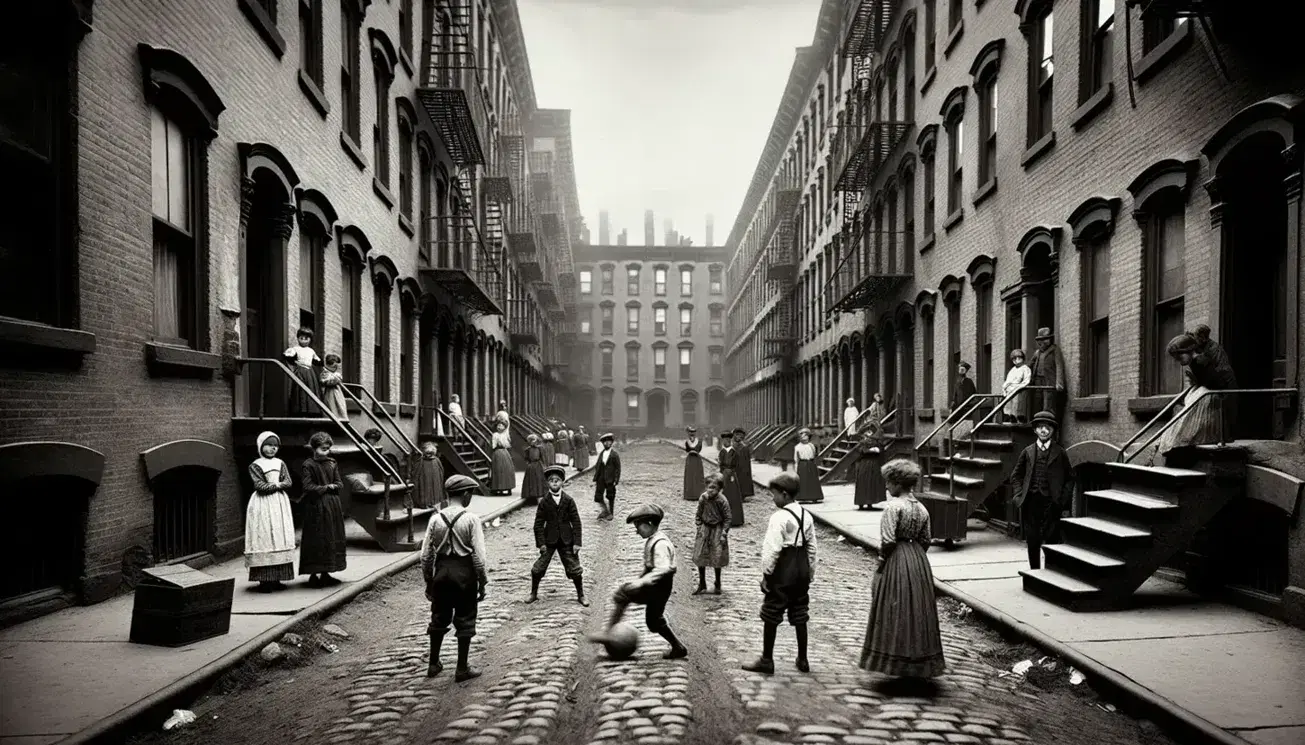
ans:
x=657 y=403
x=715 y=407
x=264 y=303
x=1039 y=291
x=1255 y=324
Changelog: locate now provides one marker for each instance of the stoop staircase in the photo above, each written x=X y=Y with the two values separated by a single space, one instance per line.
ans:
x=981 y=464
x=841 y=451
x=1149 y=514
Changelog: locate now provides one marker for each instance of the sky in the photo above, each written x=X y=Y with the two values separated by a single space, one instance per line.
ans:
x=671 y=100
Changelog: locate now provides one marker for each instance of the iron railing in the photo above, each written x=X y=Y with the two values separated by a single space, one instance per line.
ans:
x=1126 y=457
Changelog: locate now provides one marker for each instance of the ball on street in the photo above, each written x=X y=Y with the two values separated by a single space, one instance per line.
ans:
x=621 y=641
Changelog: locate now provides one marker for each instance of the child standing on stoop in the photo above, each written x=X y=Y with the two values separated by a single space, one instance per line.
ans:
x=557 y=530
x=788 y=563
x=653 y=588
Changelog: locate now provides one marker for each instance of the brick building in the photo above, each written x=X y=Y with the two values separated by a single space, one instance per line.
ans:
x=195 y=182
x=652 y=335
x=1138 y=175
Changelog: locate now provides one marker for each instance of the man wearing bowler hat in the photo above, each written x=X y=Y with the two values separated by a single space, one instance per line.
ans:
x=1044 y=486
x=607 y=474
x=1049 y=370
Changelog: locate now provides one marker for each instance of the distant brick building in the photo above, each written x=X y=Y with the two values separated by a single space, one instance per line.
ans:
x=200 y=180
x=1137 y=175
x=651 y=335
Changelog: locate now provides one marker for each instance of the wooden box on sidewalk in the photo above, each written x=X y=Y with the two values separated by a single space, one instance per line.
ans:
x=177 y=605
x=947 y=516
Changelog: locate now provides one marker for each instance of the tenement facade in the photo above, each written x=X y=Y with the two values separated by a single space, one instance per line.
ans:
x=651 y=333
x=1138 y=175
x=197 y=182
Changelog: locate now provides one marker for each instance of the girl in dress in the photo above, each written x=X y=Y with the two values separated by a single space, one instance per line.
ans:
x=550 y=455
x=850 y=415
x=269 y=527
x=301 y=359
x=1016 y=409
x=322 y=549
x=430 y=479
x=455 y=413
x=877 y=410
x=693 y=482
x=1207 y=368
x=902 y=637
x=533 y=485
x=808 y=474
x=562 y=444
x=332 y=392
x=502 y=474
x=711 y=547
x=580 y=449
x=869 y=479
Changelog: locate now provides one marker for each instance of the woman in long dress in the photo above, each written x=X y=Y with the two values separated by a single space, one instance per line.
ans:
x=902 y=638
x=562 y=453
x=502 y=474
x=727 y=458
x=808 y=474
x=580 y=446
x=302 y=358
x=711 y=546
x=850 y=415
x=1207 y=368
x=322 y=549
x=1017 y=409
x=869 y=459
x=693 y=480
x=746 y=487
x=550 y=455
x=269 y=526
x=533 y=485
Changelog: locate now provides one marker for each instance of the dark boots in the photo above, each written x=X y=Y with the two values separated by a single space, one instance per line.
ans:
x=464 y=672
x=677 y=650
x=579 y=592
x=765 y=664
x=435 y=667
x=534 y=589
x=801 y=631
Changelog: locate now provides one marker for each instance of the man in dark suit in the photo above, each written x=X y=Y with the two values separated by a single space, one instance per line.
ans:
x=557 y=530
x=1048 y=367
x=1044 y=483
x=607 y=474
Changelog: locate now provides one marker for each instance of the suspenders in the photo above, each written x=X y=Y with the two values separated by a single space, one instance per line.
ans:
x=802 y=527
x=448 y=535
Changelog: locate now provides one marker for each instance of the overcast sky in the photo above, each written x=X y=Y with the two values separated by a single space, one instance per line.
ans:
x=671 y=100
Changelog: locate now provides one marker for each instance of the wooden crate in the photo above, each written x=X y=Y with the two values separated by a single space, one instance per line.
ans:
x=947 y=516
x=177 y=605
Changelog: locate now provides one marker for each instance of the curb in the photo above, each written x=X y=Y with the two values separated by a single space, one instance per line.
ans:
x=113 y=728
x=1178 y=722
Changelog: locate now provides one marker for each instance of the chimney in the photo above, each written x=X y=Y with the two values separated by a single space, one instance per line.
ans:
x=672 y=238
x=668 y=232
x=623 y=237
x=711 y=225
x=604 y=229
x=649 y=233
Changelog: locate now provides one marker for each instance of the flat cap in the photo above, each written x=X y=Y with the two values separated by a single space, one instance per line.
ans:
x=560 y=471
x=785 y=481
x=645 y=512
x=458 y=483
x=607 y=436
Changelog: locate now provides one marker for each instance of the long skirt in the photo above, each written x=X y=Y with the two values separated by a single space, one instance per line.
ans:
x=550 y=453
x=533 y=485
x=269 y=538
x=809 y=488
x=694 y=482
x=581 y=458
x=734 y=498
x=902 y=637
x=746 y=487
x=502 y=474
x=870 y=487
x=711 y=548
x=1200 y=426
x=322 y=548
x=333 y=397
x=300 y=403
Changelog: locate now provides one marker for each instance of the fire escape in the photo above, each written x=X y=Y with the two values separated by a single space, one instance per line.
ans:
x=781 y=276
x=865 y=141
x=466 y=261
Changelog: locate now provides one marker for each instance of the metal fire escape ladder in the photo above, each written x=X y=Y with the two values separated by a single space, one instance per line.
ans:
x=451 y=93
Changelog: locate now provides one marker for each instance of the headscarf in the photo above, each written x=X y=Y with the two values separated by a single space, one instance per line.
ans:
x=263 y=438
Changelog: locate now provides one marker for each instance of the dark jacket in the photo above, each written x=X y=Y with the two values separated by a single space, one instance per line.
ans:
x=609 y=473
x=1060 y=475
x=1048 y=367
x=964 y=389
x=557 y=522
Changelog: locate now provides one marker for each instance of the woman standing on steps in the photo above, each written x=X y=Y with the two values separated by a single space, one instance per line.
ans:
x=693 y=482
x=807 y=471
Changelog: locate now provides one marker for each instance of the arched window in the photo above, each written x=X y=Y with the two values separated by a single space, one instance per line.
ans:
x=383 y=63
x=607 y=317
x=406 y=135
x=1093 y=223
x=317 y=219
x=953 y=114
x=927 y=144
x=984 y=73
x=659 y=361
x=632 y=361
x=354 y=247
x=383 y=278
x=689 y=407
x=606 y=351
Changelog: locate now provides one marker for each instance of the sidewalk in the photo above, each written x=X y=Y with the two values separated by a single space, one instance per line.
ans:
x=73 y=673
x=1213 y=669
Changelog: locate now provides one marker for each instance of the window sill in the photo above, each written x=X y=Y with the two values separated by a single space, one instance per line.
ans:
x=405 y=59
x=407 y=411
x=28 y=337
x=1038 y=149
x=1148 y=405
x=984 y=192
x=929 y=76
x=1165 y=52
x=264 y=25
x=954 y=219
x=314 y=93
x=926 y=415
x=953 y=38
x=927 y=244
x=168 y=361
x=383 y=406
x=383 y=192
x=354 y=152
x=1095 y=104
x=1090 y=406
x=405 y=224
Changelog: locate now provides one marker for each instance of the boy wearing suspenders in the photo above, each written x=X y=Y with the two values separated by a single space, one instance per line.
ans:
x=653 y=588
x=788 y=563
x=453 y=565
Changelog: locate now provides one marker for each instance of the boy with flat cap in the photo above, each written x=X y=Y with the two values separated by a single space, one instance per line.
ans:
x=653 y=588
x=607 y=474
x=453 y=564
x=557 y=530
x=788 y=563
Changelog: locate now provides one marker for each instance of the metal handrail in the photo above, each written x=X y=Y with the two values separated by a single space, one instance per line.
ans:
x=453 y=424
x=1160 y=414
x=370 y=412
x=1187 y=406
x=834 y=441
x=974 y=433
x=955 y=413
x=383 y=465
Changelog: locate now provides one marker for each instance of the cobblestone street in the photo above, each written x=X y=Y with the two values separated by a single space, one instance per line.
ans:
x=543 y=683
